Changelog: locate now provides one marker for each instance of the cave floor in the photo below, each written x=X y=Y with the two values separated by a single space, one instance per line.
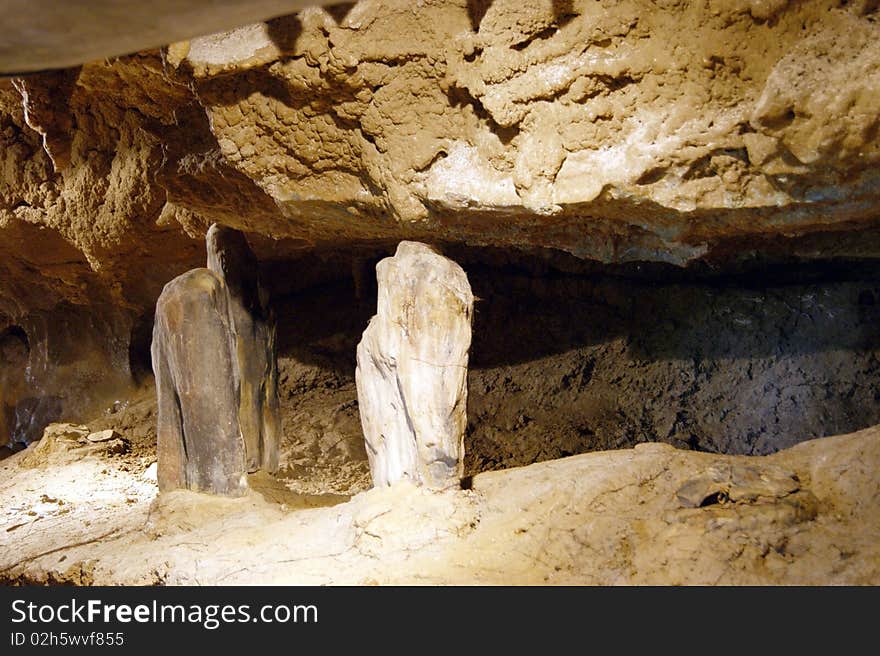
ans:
x=649 y=515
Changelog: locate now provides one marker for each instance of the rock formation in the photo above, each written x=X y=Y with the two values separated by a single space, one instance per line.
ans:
x=616 y=132
x=200 y=446
x=805 y=516
x=232 y=261
x=412 y=369
x=216 y=375
x=69 y=443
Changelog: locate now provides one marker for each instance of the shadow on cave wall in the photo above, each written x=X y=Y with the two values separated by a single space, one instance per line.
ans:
x=564 y=363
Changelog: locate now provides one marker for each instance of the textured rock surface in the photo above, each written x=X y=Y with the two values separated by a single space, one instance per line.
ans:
x=616 y=131
x=62 y=444
x=412 y=369
x=808 y=515
x=214 y=359
x=200 y=445
x=75 y=360
x=253 y=334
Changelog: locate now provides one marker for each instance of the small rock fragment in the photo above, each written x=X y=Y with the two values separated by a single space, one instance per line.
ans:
x=738 y=484
x=103 y=436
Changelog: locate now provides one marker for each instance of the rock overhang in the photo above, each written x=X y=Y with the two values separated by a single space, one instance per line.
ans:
x=617 y=133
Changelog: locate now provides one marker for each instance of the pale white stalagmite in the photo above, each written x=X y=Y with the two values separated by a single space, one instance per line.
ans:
x=412 y=369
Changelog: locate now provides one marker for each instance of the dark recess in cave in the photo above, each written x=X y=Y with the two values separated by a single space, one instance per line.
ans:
x=139 y=359
x=14 y=350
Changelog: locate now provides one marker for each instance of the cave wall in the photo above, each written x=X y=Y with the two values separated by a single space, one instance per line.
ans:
x=569 y=358
x=690 y=133
x=621 y=131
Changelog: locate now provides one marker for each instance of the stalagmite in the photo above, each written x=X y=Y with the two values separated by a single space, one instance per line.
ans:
x=200 y=446
x=231 y=259
x=216 y=373
x=412 y=369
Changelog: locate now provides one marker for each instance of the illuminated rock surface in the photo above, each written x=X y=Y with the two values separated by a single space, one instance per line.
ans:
x=615 y=517
x=412 y=369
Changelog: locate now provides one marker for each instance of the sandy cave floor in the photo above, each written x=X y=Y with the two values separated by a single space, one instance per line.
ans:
x=649 y=515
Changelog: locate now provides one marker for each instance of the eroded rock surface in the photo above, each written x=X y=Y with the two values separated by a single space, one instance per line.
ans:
x=600 y=518
x=200 y=445
x=631 y=131
x=63 y=444
x=625 y=131
x=412 y=369
x=253 y=332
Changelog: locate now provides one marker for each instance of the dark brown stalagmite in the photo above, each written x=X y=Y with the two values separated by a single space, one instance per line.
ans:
x=199 y=439
x=232 y=261
x=216 y=373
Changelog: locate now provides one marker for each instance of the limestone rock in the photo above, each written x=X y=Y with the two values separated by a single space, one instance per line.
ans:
x=102 y=436
x=216 y=373
x=412 y=369
x=737 y=483
x=630 y=131
x=63 y=443
x=404 y=517
x=200 y=446
x=232 y=261
x=609 y=518
x=820 y=99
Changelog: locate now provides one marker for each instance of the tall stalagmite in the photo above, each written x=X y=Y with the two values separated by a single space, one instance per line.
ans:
x=412 y=369
x=216 y=373
x=253 y=327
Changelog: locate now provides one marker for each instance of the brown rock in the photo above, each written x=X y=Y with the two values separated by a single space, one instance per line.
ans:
x=618 y=132
x=232 y=261
x=216 y=373
x=64 y=443
x=200 y=446
x=13 y=360
x=103 y=436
